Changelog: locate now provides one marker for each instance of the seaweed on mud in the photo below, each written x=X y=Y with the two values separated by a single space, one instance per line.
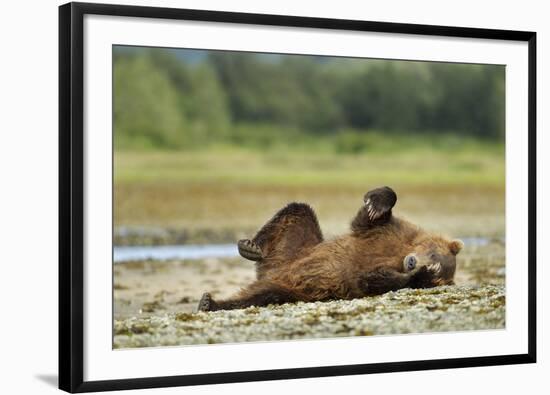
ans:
x=363 y=332
x=150 y=307
x=252 y=310
x=312 y=318
x=139 y=328
x=184 y=299
x=188 y=317
x=159 y=296
x=405 y=311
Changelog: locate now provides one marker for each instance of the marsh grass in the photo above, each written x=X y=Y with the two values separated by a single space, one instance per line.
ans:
x=235 y=192
x=407 y=165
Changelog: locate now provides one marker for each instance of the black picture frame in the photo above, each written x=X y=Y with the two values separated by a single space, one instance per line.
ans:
x=71 y=198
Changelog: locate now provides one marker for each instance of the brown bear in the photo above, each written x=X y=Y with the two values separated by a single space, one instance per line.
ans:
x=381 y=253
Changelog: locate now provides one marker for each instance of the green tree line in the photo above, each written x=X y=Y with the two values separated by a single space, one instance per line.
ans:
x=163 y=99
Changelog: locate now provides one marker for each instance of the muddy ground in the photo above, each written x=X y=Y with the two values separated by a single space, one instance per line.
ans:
x=155 y=302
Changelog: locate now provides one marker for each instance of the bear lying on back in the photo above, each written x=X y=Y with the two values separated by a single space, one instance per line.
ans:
x=381 y=253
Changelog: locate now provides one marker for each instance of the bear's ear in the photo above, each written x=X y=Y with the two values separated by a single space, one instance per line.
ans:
x=455 y=246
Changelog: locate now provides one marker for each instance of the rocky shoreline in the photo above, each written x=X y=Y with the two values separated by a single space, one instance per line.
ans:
x=448 y=308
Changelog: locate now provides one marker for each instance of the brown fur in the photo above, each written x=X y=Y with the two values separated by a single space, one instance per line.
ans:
x=297 y=265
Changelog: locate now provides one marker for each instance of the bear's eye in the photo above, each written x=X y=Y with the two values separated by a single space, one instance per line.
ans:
x=433 y=256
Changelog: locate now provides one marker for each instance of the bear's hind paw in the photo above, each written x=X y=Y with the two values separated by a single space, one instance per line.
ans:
x=249 y=250
x=206 y=303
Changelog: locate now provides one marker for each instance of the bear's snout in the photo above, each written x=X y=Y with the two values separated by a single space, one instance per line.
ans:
x=409 y=263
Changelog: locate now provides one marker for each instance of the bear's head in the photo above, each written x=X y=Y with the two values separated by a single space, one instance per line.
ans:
x=433 y=250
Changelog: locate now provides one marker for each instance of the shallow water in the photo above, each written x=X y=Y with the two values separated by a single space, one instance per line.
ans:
x=190 y=251
x=166 y=252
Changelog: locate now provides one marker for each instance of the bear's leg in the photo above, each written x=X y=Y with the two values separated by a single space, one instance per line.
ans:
x=291 y=228
x=290 y=232
x=376 y=211
x=257 y=294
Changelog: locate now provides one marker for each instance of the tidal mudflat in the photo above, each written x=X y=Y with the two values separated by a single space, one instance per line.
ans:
x=155 y=304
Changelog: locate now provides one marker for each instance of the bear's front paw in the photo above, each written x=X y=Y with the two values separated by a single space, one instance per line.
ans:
x=426 y=276
x=381 y=281
x=379 y=202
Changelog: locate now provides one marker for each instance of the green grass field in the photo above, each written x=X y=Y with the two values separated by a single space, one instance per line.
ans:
x=302 y=168
x=455 y=189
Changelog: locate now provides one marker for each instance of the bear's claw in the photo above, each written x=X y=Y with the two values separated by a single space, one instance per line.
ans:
x=435 y=268
x=379 y=201
x=373 y=213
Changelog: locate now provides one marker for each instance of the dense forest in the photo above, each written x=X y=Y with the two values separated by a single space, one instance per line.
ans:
x=177 y=99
